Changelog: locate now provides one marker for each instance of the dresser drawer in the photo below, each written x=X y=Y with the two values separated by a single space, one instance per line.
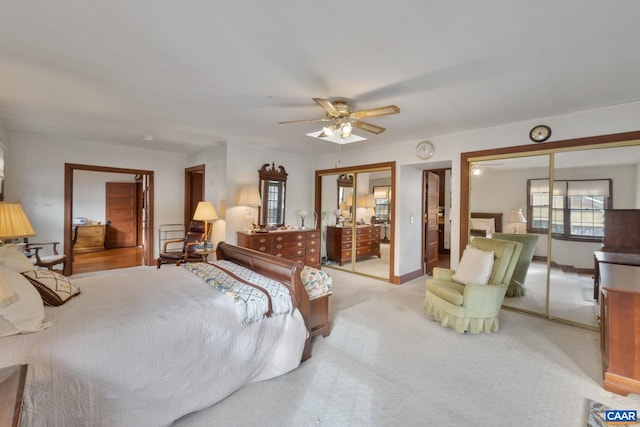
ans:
x=313 y=243
x=279 y=246
x=313 y=235
x=290 y=253
x=289 y=237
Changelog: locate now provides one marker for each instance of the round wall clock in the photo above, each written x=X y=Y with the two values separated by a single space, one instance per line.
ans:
x=540 y=133
x=424 y=150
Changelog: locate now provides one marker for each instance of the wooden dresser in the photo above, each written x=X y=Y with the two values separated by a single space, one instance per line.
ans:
x=620 y=327
x=340 y=242
x=298 y=245
x=90 y=238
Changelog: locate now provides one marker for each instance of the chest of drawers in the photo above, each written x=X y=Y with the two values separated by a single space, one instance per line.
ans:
x=298 y=245
x=340 y=242
x=90 y=238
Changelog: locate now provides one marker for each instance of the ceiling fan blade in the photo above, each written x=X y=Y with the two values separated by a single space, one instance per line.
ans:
x=327 y=106
x=368 y=127
x=374 y=112
x=305 y=121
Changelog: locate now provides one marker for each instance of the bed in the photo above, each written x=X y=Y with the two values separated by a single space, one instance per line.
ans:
x=148 y=347
x=484 y=224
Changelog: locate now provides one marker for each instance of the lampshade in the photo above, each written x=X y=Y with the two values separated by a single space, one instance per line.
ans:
x=205 y=211
x=516 y=215
x=366 y=201
x=249 y=196
x=13 y=222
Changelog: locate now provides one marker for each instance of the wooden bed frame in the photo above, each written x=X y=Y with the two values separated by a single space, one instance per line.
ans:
x=283 y=270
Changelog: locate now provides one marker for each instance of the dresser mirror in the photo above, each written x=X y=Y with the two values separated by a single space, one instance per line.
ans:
x=273 y=186
x=352 y=222
x=345 y=196
x=585 y=176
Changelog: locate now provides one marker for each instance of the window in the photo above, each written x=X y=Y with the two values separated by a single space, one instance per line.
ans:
x=577 y=210
x=382 y=197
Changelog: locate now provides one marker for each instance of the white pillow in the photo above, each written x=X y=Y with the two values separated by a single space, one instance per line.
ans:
x=26 y=314
x=475 y=267
x=488 y=225
x=11 y=258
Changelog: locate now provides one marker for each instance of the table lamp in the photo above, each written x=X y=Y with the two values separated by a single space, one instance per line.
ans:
x=205 y=211
x=516 y=217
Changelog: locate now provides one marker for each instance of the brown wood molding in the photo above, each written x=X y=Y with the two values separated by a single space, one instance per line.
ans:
x=69 y=168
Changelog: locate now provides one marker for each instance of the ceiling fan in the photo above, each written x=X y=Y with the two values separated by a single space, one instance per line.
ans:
x=341 y=118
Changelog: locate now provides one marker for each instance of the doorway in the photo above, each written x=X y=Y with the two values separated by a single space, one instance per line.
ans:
x=436 y=247
x=145 y=203
x=193 y=191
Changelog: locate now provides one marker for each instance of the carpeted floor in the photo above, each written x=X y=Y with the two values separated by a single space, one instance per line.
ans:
x=387 y=364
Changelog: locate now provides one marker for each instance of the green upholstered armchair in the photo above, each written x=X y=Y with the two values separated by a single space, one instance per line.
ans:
x=529 y=241
x=473 y=308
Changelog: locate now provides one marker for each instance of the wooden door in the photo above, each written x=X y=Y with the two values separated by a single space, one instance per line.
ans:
x=431 y=233
x=193 y=191
x=121 y=215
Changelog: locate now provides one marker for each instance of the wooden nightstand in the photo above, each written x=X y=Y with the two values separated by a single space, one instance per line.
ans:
x=12 y=380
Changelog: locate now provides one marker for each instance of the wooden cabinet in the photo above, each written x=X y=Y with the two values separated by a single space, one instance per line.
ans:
x=298 y=245
x=89 y=238
x=340 y=242
x=621 y=231
x=620 y=327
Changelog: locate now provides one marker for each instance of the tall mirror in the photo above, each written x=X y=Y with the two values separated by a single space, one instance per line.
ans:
x=273 y=185
x=345 y=198
x=498 y=187
x=558 y=192
x=356 y=208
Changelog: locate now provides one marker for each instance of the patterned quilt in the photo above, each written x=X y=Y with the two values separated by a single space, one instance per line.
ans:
x=255 y=296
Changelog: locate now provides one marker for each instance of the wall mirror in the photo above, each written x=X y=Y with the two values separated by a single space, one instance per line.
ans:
x=354 y=238
x=273 y=185
x=345 y=197
x=562 y=189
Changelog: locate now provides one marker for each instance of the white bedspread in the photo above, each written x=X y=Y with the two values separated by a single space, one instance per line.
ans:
x=144 y=349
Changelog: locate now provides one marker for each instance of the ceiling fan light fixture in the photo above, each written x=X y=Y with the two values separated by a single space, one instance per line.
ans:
x=345 y=130
x=328 y=130
x=336 y=138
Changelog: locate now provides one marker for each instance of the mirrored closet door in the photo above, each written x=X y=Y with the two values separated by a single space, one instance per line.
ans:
x=561 y=189
x=356 y=221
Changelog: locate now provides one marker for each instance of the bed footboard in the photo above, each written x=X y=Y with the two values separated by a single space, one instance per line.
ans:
x=280 y=269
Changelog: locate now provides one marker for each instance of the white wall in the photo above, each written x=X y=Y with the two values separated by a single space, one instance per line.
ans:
x=89 y=193
x=35 y=176
x=621 y=118
x=235 y=165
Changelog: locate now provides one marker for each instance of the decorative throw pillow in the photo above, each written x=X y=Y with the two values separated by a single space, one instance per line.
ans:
x=11 y=258
x=55 y=289
x=26 y=314
x=475 y=267
x=316 y=282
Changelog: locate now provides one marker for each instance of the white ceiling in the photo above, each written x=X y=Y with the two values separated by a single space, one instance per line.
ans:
x=193 y=73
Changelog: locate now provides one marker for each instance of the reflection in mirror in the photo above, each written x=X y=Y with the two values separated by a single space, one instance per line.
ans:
x=361 y=221
x=273 y=183
x=585 y=184
x=500 y=187
x=345 y=197
x=567 y=188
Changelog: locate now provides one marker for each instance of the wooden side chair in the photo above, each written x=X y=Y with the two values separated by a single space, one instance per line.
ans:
x=186 y=253
x=46 y=259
